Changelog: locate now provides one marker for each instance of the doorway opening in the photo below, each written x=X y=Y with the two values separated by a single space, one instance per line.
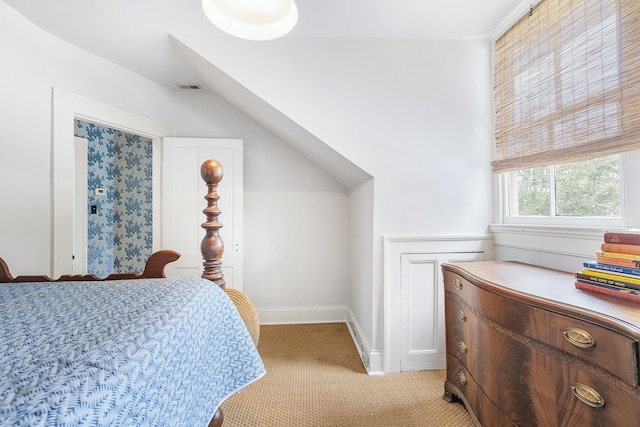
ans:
x=118 y=184
x=65 y=109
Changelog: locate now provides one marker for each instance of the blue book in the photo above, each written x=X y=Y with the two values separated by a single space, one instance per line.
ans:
x=612 y=268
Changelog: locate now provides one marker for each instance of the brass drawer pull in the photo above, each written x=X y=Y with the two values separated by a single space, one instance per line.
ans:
x=579 y=337
x=462 y=316
x=587 y=395
x=462 y=346
x=457 y=283
x=462 y=378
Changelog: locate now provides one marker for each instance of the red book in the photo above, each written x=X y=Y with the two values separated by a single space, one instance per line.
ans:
x=623 y=238
x=621 y=293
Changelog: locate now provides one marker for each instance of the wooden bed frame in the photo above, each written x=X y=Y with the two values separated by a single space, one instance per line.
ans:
x=212 y=248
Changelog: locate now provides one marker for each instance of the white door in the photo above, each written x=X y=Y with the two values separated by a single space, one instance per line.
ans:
x=183 y=192
x=422 y=309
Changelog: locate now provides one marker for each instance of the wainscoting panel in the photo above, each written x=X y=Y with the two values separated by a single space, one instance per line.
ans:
x=414 y=299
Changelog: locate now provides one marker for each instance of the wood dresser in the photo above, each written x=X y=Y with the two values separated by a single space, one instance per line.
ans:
x=526 y=348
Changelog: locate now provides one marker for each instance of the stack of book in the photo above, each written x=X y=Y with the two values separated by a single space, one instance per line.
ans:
x=616 y=270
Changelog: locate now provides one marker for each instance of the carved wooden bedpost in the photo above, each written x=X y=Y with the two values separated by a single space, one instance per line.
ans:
x=212 y=245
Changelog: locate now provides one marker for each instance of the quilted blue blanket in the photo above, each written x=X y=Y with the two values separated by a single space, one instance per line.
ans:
x=151 y=352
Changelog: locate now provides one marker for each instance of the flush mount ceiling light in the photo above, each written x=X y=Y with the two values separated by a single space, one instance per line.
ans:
x=252 y=19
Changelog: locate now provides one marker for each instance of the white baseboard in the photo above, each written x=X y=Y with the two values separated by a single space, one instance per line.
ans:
x=371 y=359
x=301 y=315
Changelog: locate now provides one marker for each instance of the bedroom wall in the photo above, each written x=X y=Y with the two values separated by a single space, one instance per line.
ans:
x=100 y=173
x=32 y=63
x=295 y=218
x=286 y=200
x=133 y=210
x=414 y=114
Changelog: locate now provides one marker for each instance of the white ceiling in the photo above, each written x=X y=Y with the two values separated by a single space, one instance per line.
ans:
x=135 y=33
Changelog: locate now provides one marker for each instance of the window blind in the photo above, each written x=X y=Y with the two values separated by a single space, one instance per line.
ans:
x=567 y=84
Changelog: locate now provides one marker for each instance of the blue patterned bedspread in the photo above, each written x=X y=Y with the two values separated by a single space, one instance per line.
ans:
x=151 y=352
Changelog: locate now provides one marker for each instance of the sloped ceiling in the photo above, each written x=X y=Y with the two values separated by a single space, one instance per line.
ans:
x=135 y=34
x=150 y=37
x=332 y=162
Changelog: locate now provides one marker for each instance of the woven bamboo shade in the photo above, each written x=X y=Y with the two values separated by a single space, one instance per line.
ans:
x=567 y=84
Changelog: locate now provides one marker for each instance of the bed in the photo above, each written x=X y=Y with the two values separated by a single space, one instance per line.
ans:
x=129 y=349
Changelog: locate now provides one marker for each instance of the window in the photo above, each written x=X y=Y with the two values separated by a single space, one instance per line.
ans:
x=586 y=192
x=567 y=100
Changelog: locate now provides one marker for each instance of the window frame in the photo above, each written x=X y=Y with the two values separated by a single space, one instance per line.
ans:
x=552 y=219
x=608 y=222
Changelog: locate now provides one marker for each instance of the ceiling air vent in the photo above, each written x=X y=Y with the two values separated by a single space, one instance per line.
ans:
x=188 y=86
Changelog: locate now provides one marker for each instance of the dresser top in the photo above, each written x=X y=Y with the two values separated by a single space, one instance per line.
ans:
x=550 y=289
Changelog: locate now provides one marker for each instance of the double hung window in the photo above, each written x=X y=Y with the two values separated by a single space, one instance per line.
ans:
x=567 y=101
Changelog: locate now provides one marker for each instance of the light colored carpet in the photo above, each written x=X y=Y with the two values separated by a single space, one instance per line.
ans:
x=315 y=378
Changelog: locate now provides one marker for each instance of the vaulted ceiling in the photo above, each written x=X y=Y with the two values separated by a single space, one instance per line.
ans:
x=171 y=42
x=135 y=34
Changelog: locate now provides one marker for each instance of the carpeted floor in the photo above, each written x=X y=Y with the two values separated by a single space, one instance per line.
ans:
x=315 y=378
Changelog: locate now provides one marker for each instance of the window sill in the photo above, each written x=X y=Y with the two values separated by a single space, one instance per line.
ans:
x=576 y=241
x=568 y=231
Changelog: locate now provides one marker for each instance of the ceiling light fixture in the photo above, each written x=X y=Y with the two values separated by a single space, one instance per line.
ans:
x=252 y=19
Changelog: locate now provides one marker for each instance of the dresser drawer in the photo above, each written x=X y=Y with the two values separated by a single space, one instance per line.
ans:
x=461 y=383
x=535 y=388
x=582 y=342
x=581 y=398
x=490 y=366
x=459 y=324
x=542 y=352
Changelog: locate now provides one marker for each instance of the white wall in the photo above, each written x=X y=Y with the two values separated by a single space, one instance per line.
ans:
x=32 y=63
x=414 y=114
x=295 y=218
x=289 y=202
x=361 y=259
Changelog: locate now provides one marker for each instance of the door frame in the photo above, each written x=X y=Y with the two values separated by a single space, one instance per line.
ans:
x=66 y=107
x=80 y=215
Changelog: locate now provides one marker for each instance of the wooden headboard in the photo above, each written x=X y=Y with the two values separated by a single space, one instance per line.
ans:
x=154 y=268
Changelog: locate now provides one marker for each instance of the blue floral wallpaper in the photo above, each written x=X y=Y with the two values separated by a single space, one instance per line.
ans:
x=120 y=230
